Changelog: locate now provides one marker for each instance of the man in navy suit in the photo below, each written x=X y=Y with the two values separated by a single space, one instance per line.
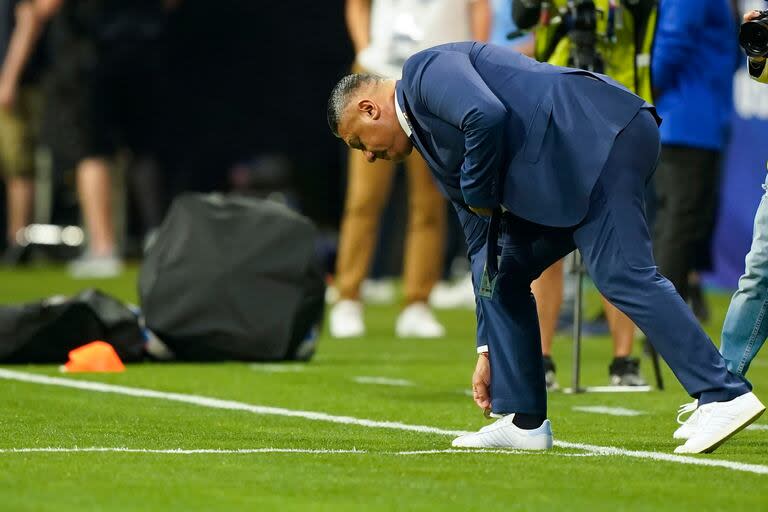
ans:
x=539 y=160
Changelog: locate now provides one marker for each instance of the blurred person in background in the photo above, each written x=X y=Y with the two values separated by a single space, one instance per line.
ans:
x=460 y=293
x=624 y=37
x=20 y=110
x=384 y=34
x=696 y=104
x=102 y=97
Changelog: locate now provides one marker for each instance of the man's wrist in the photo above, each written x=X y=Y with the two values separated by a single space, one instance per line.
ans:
x=482 y=349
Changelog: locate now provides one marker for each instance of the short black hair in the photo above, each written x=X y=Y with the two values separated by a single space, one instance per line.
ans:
x=341 y=94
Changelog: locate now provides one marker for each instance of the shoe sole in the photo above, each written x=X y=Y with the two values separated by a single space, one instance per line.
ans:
x=546 y=445
x=744 y=423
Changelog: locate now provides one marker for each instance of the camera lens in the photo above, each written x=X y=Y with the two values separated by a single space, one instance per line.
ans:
x=753 y=37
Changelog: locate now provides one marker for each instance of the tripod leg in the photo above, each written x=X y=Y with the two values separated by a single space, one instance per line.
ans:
x=656 y=366
x=577 y=318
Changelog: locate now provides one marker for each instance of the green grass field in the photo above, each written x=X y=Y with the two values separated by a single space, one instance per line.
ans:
x=280 y=459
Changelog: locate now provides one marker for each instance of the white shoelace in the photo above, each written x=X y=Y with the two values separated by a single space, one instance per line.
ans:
x=684 y=409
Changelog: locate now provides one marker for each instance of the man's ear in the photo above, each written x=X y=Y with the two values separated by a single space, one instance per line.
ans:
x=370 y=108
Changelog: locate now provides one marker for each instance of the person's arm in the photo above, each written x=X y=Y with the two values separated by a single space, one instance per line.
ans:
x=358 y=16
x=525 y=13
x=673 y=44
x=30 y=18
x=452 y=90
x=480 y=18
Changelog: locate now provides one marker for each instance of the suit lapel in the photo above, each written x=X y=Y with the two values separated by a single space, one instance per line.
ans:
x=416 y=136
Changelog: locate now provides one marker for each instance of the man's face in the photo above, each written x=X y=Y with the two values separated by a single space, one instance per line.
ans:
x=374 y=129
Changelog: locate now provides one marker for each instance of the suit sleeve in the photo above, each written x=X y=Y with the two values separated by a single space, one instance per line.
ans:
x=475 y=227
x=452 y=90
x=673 y=43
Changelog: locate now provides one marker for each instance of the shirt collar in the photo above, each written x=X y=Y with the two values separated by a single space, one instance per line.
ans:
x=403 y=118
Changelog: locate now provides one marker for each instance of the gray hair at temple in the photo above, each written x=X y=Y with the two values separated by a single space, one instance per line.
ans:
x=341 y=94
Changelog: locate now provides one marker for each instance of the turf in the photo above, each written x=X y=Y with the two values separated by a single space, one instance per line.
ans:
x=377 y=478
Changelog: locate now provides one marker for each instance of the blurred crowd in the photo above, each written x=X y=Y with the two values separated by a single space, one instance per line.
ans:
x=111 y=108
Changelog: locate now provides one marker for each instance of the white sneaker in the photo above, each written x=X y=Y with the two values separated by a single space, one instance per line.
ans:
x=688 y=427
x=89 y=266
x=451 y=296
x=378 y=291
x=504 y=434
x=418 y=321
x=718 y=421
x=346 y=319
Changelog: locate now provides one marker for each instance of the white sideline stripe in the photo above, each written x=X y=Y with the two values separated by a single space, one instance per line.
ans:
x=246 y=451
x=758 y=426
x=682 y=459
x=383 y=381
x=613 y=411
x=348 y=420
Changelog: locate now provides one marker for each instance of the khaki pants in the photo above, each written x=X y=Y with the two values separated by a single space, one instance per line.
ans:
x=368 y=189
x=19 y=130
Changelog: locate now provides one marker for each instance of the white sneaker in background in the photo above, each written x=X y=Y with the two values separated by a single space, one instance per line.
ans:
x=460 y=294
x=504 y=434
x=89 y=266
x=331 y=294
x=718 y=421
x=378 y=291
x=418 y=321
x=687 y=427
x=346 y=319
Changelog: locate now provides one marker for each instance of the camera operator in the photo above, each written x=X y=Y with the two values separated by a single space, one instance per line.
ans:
x=611 y=37
x=754 y=38
x=745 y=328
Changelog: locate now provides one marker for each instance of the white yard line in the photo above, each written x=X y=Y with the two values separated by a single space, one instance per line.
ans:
x=612 y=411
x=382 y=381
x=612 y=389
x=348 y=420
x=173 y=451
x=758 y=426
x=277 y=368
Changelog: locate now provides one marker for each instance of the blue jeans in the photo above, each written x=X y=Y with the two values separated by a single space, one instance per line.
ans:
x=746 y=325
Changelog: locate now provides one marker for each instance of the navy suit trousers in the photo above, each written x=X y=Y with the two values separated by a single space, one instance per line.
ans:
x=615 y=245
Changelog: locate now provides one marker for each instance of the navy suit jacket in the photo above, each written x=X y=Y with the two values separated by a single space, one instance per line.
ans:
x=498 y=128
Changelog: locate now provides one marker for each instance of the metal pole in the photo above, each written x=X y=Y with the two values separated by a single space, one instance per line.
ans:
x=577 y=319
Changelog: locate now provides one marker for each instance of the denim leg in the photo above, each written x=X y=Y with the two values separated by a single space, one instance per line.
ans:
x=746 y=326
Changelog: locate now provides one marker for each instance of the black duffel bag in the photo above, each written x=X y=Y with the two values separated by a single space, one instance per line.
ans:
x=45 y=332
x=233 y=278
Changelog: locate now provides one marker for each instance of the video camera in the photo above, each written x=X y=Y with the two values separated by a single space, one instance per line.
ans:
x=753 y=36
x=581 y=20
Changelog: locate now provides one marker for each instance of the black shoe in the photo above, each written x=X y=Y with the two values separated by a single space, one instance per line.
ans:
x=625 y=371
x=549 y=374
x=15 y=255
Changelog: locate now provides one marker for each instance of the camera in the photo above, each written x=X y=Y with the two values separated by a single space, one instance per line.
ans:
x=753 y=36
x=582 y=24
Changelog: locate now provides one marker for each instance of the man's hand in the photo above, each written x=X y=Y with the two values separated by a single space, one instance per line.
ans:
x=483 y=212
x=751 y=15
x=481 y=382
